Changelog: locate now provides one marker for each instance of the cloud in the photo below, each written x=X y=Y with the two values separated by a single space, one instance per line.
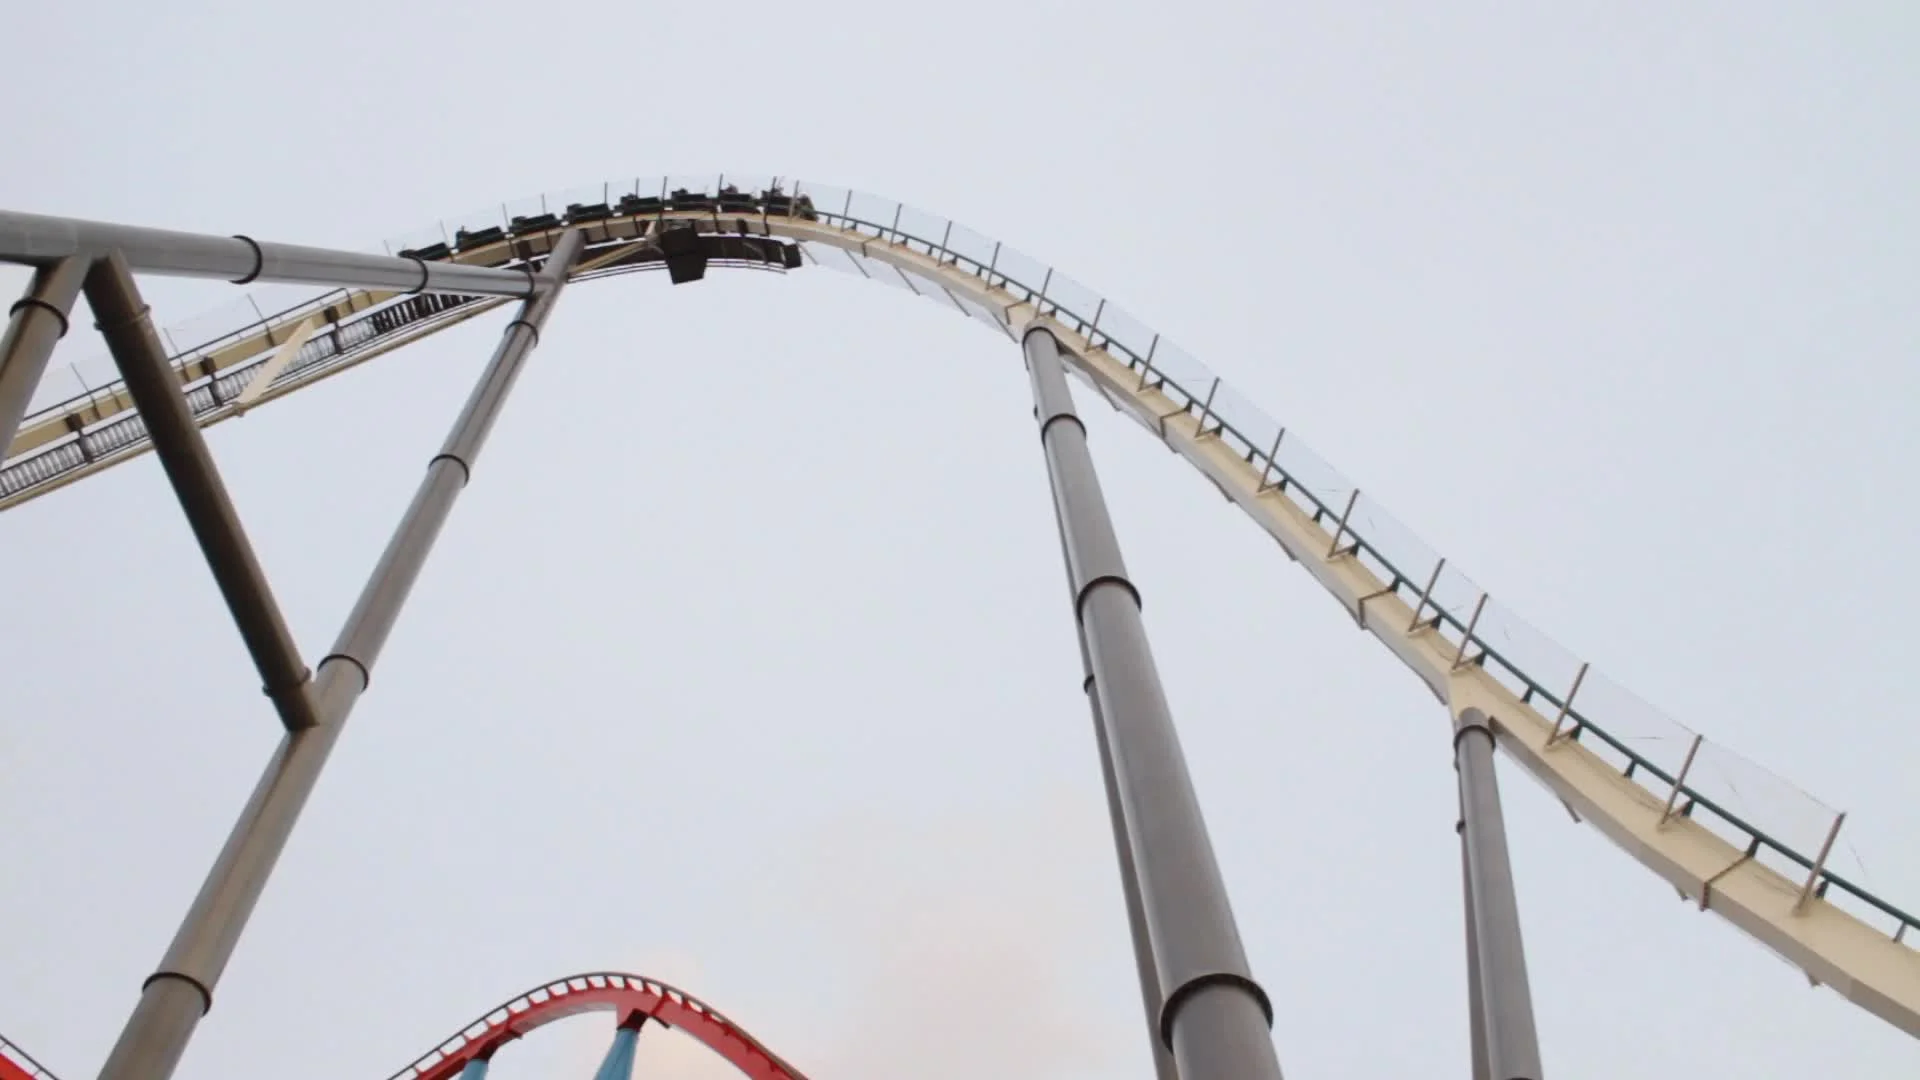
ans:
x=959 y=936
x=954 y=942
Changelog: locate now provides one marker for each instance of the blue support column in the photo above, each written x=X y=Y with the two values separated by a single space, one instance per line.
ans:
x=476 y=1069
x=618 y=1064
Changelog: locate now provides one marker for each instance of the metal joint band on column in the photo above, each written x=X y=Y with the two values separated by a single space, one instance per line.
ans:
x=1472 y=720
x=259 y=260
x=529 y=327
x=1080 y=595
x=366 y=677
x=1180 y=995
x=466 y=471
x=426 y=275
x=1049 y=422
x=26 y=302
x=132 y=318
x=206 y=995
x=274 y=692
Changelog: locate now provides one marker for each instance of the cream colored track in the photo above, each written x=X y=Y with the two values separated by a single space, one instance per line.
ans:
x=1869 y=968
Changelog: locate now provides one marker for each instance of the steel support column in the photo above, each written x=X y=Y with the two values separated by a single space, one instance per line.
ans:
x=183 y=453
x=618 y=1064
x=1476 y=1016
x=38 y=241
x=1213 y=1017
x=175 y=997
x=1163 y=1066
x=35 y=323
x=1497 y=960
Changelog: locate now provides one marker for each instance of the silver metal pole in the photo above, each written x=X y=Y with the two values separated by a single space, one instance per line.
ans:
x=1163 y=1066
x=39 y=240
x=1506 y=1001
x=175 y=997
x=125 y=323
x=35 y=323
x=1476 y=1017
x=1214 y=1018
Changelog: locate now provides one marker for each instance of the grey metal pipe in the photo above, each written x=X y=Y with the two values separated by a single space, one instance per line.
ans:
x=175 y=997
x=1214 y=1018
x=1163 y=1065
x=124 y=321
x=1506 y=1006
x=37 y=240
x=1476 y=1014
x=1149 y=975
x=35 y=324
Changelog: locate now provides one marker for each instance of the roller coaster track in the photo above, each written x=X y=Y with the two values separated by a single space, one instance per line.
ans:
x=1611 y=760
x=628 y=997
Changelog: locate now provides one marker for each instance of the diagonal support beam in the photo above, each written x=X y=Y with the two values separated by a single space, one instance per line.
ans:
x=189 y=466
x=277 y=363
x=181 y=992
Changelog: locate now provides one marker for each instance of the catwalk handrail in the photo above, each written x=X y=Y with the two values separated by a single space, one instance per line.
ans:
x=996 y=294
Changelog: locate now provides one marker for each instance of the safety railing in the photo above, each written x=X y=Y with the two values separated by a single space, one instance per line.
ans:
x=126 y=430
x=23 y=1061
x=1771 y=819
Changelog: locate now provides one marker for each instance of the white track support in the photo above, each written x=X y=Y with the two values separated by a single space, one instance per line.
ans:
x=276 y=364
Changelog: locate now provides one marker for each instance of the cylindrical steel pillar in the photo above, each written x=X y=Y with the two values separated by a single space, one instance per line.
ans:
x=1163 y=1066
x=1498 y=958
x=189 y=465
x=35 y=323
x=1213 y=1017
x=1476 y=1018
x=618 y=1064
x=175 y=997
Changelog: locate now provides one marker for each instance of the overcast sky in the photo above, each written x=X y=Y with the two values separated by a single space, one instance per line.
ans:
x=746 y=660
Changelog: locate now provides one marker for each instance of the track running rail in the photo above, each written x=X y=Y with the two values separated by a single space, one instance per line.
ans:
x=603 y=991
x=599 y=991
x=1426 y=615
x=15 y=1064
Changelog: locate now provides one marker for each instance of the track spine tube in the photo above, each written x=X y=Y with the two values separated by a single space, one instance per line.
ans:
x=39 y=240
x=155 y=1037
x=1213 y=1017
